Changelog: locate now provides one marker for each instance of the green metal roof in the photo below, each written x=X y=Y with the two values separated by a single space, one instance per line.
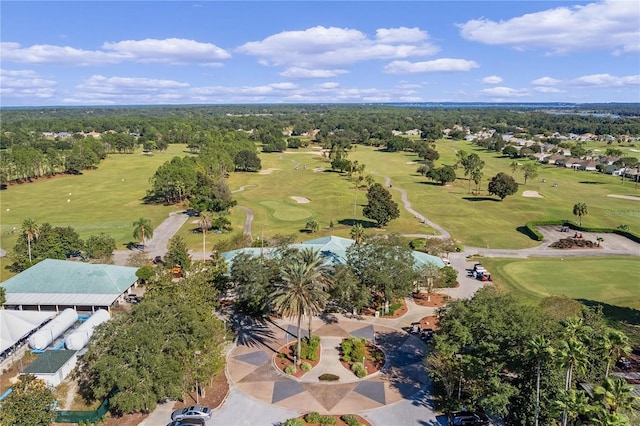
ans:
x=334 y=249
x=61 y=276
x=49 y=362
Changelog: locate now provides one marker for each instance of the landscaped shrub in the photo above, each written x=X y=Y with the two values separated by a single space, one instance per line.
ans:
x=358 y=369
x=346 y=358
x=354 y=348
x=310 y=349
x=305 y=366
x=294 y=422
x=317 y=418
x=328 y=377
x=351 y=420
x=290 y=369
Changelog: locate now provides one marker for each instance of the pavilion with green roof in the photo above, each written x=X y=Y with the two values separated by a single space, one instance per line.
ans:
x=54 y=285
x=332 y=248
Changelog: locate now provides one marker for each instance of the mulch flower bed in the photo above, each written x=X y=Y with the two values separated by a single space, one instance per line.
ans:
x=371 y=364
x=437 y=299
x=396 y=314
x=430 y=321
x=571 y=243
x=339 y=421
x=286 y=359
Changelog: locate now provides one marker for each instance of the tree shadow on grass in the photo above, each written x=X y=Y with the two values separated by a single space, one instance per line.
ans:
x=426 y=182
x=352 y=222
x=480 y=199
x=526 y=231
x=617 y=313
x=591 y=182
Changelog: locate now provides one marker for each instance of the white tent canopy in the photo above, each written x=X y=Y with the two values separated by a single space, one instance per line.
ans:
x=15 y=325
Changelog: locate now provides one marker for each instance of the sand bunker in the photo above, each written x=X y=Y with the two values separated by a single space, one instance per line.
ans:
x=532 y=194
x=319 y=170
x=300 y=200
x=267 y=171
x=626 y=197
x=411 y=162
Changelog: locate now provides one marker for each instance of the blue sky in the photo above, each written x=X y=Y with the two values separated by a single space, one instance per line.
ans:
x=216 y=52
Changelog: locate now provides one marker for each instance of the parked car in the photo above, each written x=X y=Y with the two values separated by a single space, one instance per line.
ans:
x=158 y=260
x=192 y=212
x=195 y=411
x=468 y=418
x=133 y=298
x=192 y=421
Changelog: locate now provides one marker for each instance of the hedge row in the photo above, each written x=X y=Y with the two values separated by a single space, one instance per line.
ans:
x=533 y=232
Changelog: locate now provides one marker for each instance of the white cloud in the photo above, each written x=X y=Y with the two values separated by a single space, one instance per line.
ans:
x=437 y=65
x=505 y=92
x=546 y=81
x=301 y=73
x=320 y=46
x=170 y=50
x=589 y=81
x=400 y=35
x=547 y=89
x=57 y=55
x=607 y=25
x=99 y=89
x=26 y=84
x=493 y=79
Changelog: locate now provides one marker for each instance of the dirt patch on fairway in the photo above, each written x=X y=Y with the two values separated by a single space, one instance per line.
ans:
x=300 y=200
x=319 y=170
x=532 y=194
x=411 y=162
x=626 y=197
x=267 y=171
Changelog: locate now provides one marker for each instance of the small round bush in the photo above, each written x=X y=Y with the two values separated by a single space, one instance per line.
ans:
x=328 y=377
x=359 y=370
x=346 y=358
x=290 y=369
x=305 y=366
x=293 y=422
x=351 y=420
x=312 y=417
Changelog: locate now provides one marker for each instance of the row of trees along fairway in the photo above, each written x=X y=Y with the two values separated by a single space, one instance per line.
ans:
x=527 y=363
x=165 y=347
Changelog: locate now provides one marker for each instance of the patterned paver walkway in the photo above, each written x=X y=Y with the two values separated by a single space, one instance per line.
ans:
x=251 y=368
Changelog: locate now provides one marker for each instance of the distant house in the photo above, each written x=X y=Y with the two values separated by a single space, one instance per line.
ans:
x=53 y=366
x=614 y=170
x=572 y=163
x=554 y=159
x=587 y=165
x=54 y=285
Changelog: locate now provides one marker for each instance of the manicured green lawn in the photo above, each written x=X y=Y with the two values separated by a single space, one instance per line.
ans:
x=108 y=199
x=610 y=280
x=482 y=221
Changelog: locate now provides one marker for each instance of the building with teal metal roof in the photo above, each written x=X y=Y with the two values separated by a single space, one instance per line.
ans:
x=334 y=250
x=58 y=284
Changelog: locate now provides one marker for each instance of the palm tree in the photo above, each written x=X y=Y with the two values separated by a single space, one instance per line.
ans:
x=357 y=233
x=32 y=231
x=204 y=224
x=572 y=355
x=615 y=344
x=614 y=394
x=298 y=294
x=322 y=280
x=513 y=166
x=580 y=209
x=573 y=404
x=540 y=351
x=142 y=229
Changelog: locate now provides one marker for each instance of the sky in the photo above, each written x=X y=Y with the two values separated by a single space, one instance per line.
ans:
x=78 y=53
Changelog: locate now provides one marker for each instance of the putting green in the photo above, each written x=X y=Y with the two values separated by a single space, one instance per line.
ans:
x=283 y=210
x=608 y=280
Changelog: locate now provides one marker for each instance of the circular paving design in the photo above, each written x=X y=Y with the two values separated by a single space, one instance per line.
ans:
x=250 y=368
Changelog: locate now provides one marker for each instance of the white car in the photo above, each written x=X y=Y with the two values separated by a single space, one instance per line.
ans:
x=195 y=411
